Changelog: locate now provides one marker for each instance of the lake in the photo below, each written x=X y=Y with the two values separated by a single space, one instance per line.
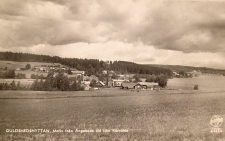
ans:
x=205 y=82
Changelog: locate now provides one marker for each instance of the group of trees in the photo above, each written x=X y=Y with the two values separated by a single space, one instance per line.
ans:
x=20 y=76
x=90 y=66
x=183 y=74
x=11 y=86
x=7 y=73
x=58 y=83
x=10 y=74
x=36 y=76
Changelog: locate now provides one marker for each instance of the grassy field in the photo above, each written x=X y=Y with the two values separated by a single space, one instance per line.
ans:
x=15 y=65
x=147 y=115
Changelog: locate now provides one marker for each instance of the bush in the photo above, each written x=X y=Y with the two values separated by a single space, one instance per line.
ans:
x=196 y=87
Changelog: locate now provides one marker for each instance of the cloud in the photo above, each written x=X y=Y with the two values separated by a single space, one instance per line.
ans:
x=186 y=26
x=114 y=50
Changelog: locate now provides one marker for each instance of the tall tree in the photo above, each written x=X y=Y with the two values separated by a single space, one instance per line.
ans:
x=13 y=85
x=28 y=66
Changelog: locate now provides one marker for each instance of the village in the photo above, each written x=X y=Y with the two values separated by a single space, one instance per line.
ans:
x=123 y=81
x=107 y=78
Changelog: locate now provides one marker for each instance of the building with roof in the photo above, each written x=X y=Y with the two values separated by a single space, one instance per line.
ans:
x=127 y=85
x=149 y=85
x=100 y=84
x=118 y=82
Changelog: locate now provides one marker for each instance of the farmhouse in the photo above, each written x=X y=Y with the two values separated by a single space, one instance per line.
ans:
x=149 y=85
x=118 y=82
x=126 y=85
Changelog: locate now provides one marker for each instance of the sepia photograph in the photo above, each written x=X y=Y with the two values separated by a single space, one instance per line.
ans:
x=112 y=70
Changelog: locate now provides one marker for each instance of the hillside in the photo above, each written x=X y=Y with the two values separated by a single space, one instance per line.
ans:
x=90 y=66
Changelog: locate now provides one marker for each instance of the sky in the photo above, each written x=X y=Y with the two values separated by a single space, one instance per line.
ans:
x=174 y=32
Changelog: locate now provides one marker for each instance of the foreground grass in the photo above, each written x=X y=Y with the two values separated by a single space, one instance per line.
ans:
x=146 y=115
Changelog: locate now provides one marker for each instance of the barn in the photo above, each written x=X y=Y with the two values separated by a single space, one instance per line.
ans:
x=149 y=85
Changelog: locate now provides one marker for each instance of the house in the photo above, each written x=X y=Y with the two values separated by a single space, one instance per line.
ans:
x=118 y=82
x=100 y=84
x=149 y=85
x=127 y=85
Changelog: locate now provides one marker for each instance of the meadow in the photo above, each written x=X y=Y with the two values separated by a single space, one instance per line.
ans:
x=146 y=115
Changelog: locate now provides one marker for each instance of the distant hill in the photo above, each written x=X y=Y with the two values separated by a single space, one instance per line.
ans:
x=178 y=68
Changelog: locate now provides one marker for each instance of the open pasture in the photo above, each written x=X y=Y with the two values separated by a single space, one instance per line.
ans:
x=147 y=115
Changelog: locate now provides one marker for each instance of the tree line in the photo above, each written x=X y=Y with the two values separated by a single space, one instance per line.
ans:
x=12 y=86
x=60 y=82
x=10 y=74
x=90 y=66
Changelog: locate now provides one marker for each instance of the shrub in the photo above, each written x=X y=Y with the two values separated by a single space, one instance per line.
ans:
x=196 y=87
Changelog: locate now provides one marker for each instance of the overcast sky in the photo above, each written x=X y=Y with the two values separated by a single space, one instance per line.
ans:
x=142 y=31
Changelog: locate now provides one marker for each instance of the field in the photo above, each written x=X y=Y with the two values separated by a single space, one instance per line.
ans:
x=15 y=65
x=145 y=115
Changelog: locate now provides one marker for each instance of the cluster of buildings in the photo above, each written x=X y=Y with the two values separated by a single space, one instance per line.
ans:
x=121 y=82
x=125 y=84
x=194 y=73
x=47 y=68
